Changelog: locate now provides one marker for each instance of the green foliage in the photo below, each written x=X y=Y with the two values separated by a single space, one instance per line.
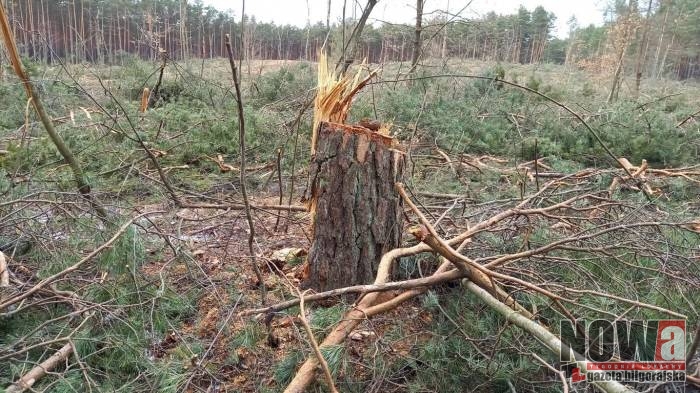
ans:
x=12 y=99
x=475 y=117
x=134 y=311
x=287 y=83
x=335 y=357
x=324 y=318
x=126 y=255
x=441 y=362
x=496 y=73
x=534 y=82
x=170 y=376
x=249 y=336
x=286 y=369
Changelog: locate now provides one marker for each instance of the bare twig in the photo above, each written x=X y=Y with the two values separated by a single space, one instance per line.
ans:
x=694 y=346
x=279 y=183
x=48 y=280
x=352 y=44
x=561 y=374
x=314 y=344
x=433 y=280
x=244 y=192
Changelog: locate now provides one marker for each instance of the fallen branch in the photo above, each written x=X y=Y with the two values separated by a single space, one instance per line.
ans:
x=471 y=269
x=305 y=375
x=4 y=274
x=432 y=280
x=314 y=344
x=240 y=206
x=366 y=308
x=48 y=280
x=472 y=273
x=28 y=379
x=542 y=334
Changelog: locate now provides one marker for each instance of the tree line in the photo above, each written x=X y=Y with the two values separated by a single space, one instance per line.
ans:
x=651 y=38
x=664 y=35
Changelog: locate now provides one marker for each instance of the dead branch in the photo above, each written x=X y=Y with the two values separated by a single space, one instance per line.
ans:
x=244 y=192
x=48 y=280
x=469 y=271
x=4 y=273
x=470 y=268
x=155 y=93
x=692 y=116
x=314 y=344
x=429 y=281
x=28 y=379
x=561 y=374
x=353 y=42
x=240 y=206
x=542 y=334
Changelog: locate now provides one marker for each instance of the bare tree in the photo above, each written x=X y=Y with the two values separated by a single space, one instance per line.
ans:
x=353 y=42
x=642 y=50
x=416 y=37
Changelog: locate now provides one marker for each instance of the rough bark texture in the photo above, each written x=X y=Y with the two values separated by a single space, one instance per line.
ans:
x=357 y=214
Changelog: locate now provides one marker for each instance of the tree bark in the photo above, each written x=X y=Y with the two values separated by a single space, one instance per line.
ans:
x=357 y=214
x=641 y=52
x=28 y=380
x=416 y=36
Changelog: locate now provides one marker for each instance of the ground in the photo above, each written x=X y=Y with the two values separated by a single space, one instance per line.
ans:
x=168 y=297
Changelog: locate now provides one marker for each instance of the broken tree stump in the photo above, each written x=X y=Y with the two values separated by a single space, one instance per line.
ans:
x=356 y=212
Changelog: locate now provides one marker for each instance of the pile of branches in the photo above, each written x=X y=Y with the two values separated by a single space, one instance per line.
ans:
x=579 y=246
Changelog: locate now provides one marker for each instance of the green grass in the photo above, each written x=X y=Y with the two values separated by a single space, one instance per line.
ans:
x=137 y=300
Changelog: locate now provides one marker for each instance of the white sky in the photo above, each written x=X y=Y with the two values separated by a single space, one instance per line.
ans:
x=294 y=12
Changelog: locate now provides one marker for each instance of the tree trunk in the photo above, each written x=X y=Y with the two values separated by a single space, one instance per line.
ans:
x=641 y=52
x=416 y=36
x=353 y=44
x=183 y=30
x=357 y=214
x=658 y=46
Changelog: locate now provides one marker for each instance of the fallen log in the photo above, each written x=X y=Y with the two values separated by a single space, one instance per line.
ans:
x=30 y=378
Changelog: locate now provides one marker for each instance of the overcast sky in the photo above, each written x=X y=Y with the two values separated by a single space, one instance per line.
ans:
x=294 y=12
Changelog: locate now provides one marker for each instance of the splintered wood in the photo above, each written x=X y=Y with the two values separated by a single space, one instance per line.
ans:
x=334 y=96
x=356 y=212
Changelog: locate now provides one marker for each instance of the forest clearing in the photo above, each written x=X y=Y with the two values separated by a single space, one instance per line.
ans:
x=192 y=201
